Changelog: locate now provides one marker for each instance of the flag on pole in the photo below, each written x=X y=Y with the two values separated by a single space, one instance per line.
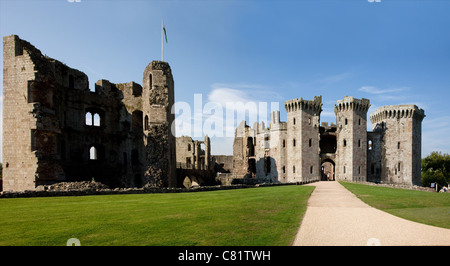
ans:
x=165 y=34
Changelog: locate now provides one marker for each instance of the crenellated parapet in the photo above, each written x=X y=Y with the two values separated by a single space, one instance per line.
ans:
x=301 y=104
x=350 y=103
x=397 y=112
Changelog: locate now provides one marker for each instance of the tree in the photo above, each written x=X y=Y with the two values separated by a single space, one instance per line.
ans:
x=436 y=169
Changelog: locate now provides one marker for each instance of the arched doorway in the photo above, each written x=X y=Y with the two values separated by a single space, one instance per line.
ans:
x=327 y=170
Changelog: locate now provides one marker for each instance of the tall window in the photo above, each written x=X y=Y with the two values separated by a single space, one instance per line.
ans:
x=93 y=153
x=96 y=121
x=146 y=123
x=92 y=119
x=150 y=81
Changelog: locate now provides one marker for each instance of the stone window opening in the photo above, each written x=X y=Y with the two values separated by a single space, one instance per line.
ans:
x=344 y=169
x=146 y=122
x=346 y=121
x=398 y=145
x=189 y=147
x=293 y=169
x=150 y=81
x=294 y=142
x=359 y=170
x=370 y=145
x=310 y=142
x=284 y=143
x=92 y=119
x=311 y=169
x=284 y=170
x=359 y=143
x=398 y=166
x=93 y=154
x=359 y=121
x=345 y=143
x=294 y=120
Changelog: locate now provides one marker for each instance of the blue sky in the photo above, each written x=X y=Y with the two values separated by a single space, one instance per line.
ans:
x=392 y=52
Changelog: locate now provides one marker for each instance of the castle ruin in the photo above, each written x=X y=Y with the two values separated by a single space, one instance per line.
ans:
x=56 y=129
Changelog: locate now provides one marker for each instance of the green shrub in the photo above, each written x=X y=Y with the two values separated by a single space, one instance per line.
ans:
x=435 y=176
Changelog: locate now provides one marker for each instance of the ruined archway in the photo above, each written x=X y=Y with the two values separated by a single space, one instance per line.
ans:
x=327 y=168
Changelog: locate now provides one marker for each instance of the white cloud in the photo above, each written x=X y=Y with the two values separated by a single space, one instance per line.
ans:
x=375 y=90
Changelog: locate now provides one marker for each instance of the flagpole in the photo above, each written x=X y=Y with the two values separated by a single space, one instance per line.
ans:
x=162 y=40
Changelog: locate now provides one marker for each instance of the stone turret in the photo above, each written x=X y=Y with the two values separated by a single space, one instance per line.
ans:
x=302 y=142
x=351 y=153
x=400 y=145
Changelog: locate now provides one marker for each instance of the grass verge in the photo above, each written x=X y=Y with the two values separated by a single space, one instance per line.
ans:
x=418 y=206
x=242 y=217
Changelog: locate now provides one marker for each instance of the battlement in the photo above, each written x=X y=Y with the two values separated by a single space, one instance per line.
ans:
x=301 y=104
x=350 y=103
x=397 y=112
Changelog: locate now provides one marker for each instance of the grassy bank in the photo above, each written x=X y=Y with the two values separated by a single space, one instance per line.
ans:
x=254 y=216
x=419 y=206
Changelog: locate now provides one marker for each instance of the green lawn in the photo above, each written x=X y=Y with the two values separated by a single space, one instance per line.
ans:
x=250 y=217
x=419 y=206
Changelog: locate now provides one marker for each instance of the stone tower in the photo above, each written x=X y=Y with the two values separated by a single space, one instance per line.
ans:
x=351 y=138
x=399 y=144
x=158 y=99
x=302 y=139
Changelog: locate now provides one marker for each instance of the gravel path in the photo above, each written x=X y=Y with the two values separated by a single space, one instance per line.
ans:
x=336 y=217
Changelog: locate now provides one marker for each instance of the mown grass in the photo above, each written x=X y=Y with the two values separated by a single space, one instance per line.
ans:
x=419 y=206
x=245 y=217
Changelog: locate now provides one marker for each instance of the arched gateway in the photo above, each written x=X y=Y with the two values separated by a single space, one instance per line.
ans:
x=327 y=167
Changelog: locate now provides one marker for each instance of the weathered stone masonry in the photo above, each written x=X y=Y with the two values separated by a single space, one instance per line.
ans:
x=55 y=129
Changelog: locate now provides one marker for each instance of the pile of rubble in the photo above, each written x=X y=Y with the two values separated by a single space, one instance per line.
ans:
x=70 y=186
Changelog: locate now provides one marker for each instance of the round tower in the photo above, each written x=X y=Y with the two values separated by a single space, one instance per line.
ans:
x=351 y=138
x=401 y=142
